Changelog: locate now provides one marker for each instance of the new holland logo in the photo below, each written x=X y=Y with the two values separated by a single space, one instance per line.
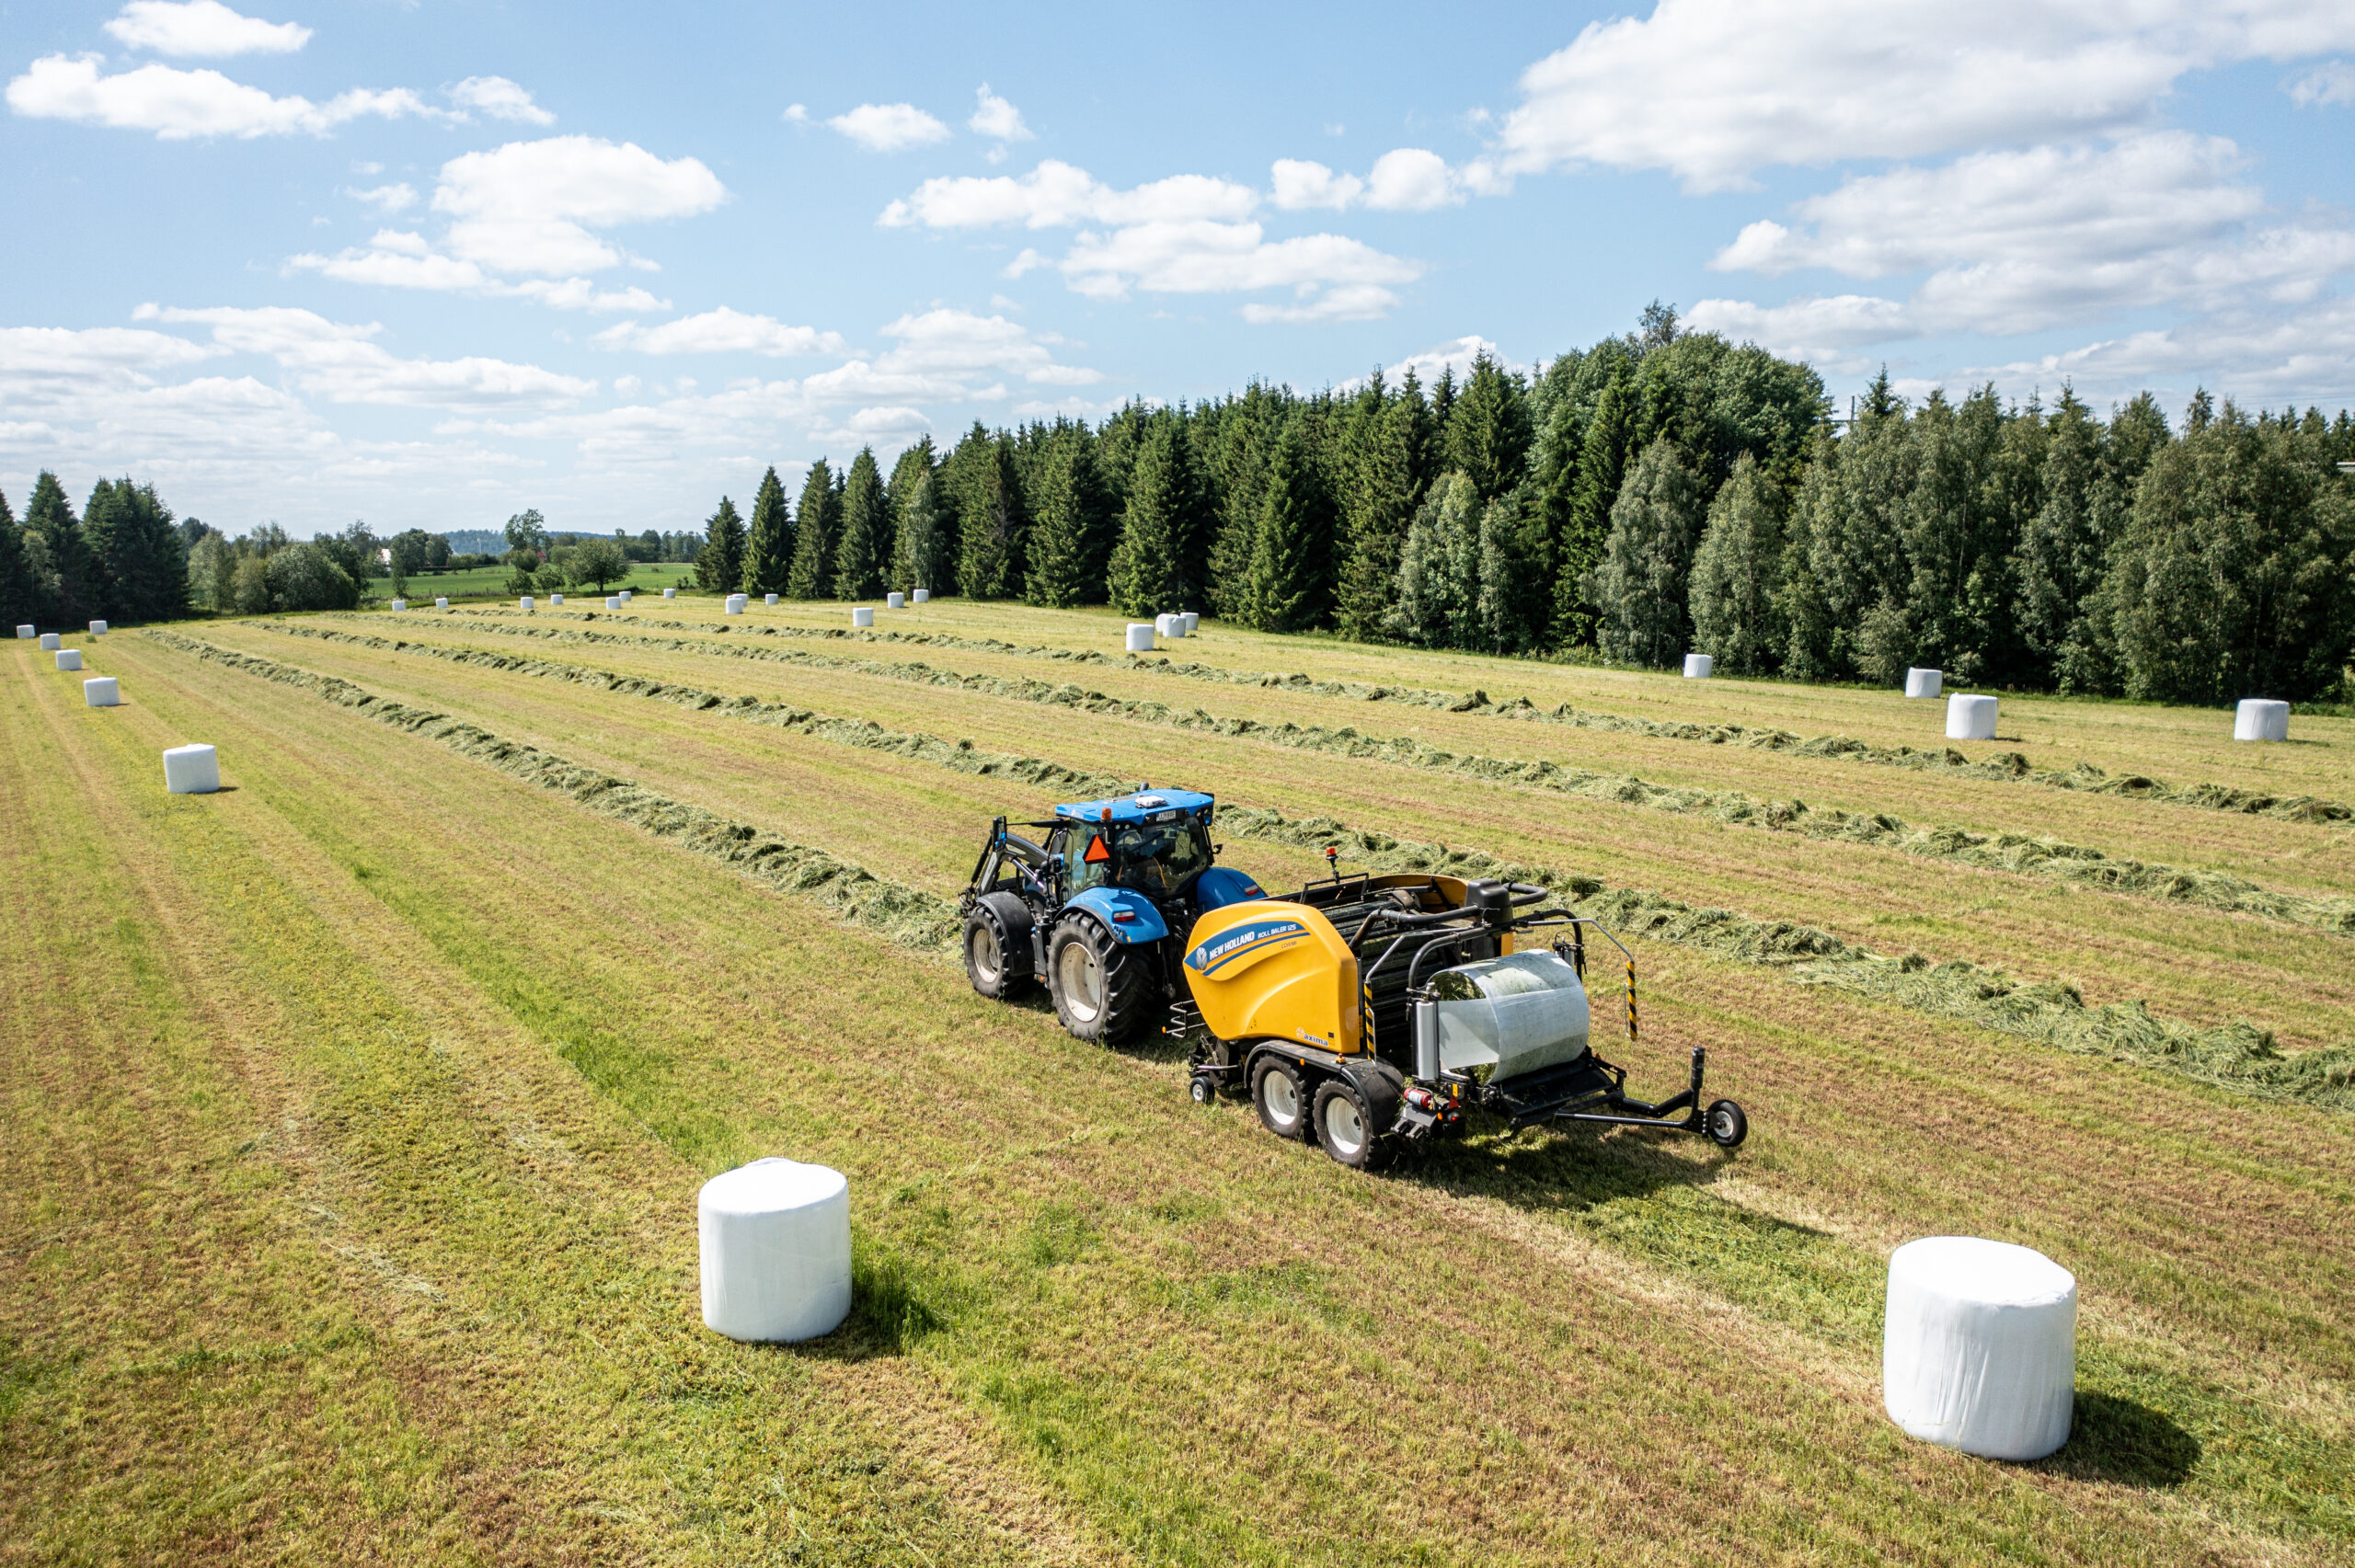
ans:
x=1237 y=942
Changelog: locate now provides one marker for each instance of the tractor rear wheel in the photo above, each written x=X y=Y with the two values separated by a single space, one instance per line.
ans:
x=1281 y=1098
x=997 y=947
x=1102 y=991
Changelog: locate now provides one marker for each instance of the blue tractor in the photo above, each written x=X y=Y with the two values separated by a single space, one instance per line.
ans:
x=1099 y=910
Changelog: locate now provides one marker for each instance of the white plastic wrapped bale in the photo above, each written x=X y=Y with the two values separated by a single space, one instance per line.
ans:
x=774 y=1239
x=1979 y=1349
x=1139 y=636
x=612 y=601
x=670 y=593
x=441 y=604
x=1699 y=666
x=736 y=602
x=400 y=603
x=556 y=599
x=1502 y=1017
x=768 y=598
x=99 y=692
x=48 y=641
x=624 y=596
x=895 y=601
x=69 y=658
x=1970 y=717
x=921 y=596
x=99 y=628
x=25 y=633
x=191 y=769
x=2260 y=718
x=862 y=616
x=1925 y=682
x=1193 y=622
x=525 y=602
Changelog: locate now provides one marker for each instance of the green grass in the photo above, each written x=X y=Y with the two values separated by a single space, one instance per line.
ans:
x=482 y=584
x=1095 y=1323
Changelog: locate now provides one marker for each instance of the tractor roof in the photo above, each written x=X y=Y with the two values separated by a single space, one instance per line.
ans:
x=1140 y=808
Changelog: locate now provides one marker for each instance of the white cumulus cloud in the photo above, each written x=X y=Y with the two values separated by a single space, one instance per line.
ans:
x=202 y=28
x=387 y=199
x=499 y=99
x=1712 y=91
x=1057 y=195
x=888 y=127
x=534 y=206
x=996 y=118
x=2331 y=82
x=180 y=105
x=342 y=362
x=720 y=331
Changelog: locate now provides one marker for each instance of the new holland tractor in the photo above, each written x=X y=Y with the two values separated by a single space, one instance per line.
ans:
x=1363 y=1012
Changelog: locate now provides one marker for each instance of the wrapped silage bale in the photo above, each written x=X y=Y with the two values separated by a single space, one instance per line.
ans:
x=2261 y=718
x=49 y=642
x=1193 y=622
x=736 y=602
x=1925 y=682
x=25 y=633
x=525 y=602
x=622 y=596
x=774 y=1238
x=612 y=601
x=98 y=628
x=99 y=692
x=895 y=600
x=862 y=616
x=441 y=604
x=768 y=598
x=1139 y=636
x=670 y=593
x=556 y=599
x=400 y=603
x=191 y=769
x=1979 y=1346
x=921 y=596
x=1970 y=717
x=69 y=658
x=1699 y=666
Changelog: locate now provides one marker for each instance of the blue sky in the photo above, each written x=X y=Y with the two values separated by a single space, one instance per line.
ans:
x=430 y=264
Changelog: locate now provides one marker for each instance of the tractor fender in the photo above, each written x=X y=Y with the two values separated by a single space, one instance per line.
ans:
x=1129 y=915
x=1223 y=885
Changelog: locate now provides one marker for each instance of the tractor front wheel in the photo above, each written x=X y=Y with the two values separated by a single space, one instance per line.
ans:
x=1102 y=993
x=997 y=947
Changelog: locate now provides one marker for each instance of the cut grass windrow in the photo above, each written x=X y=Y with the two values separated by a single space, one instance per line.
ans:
x=2006 y=767
x=2018 y=853
x=910 y=916
x=2238 y=1055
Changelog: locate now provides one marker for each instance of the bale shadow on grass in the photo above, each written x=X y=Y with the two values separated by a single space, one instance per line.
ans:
x=2125 y=1443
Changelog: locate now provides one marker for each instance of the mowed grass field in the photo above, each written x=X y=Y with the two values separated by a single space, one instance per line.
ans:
x=477 y=584
x=353 y=1116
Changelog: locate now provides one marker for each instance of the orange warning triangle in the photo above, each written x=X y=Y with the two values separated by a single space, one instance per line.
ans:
x=1096 y=850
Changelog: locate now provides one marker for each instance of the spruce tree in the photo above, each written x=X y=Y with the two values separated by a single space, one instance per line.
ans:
x=17 y=597
x=863 y=551
x=1146 y=575
x=1487 y=434
x=1641 y=586
x=721 y=565
x=913 y=560
x=1602 y=458
x=1383 y=478
x=993 y=520
x=1289 y=583
x=66 y=582
x=1736 y=598
x=1071 y=535
x=140 y=559
x=1516 y=601
x=768 y=550
x=1240 y=452
x=817 y=525
x=1439 y=569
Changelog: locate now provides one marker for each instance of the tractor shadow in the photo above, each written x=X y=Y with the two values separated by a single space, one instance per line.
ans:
x=1575 y=1169
x=2124 y=1443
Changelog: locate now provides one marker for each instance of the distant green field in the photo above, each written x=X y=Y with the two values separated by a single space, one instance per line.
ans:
x=490 y=582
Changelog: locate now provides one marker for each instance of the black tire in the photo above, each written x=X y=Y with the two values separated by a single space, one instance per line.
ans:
x=1278 y=1081
x=1103 y=990
x=1726 y=1124
x=997 y=947
x=1203 y=1090
x=1344 y=1125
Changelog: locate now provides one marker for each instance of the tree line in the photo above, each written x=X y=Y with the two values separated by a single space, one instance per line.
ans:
x=1661 y=492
